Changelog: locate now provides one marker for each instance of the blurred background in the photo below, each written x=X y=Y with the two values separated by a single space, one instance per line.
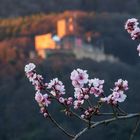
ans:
x=59 y=36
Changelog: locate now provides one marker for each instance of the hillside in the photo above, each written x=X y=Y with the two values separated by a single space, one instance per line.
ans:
x=20 y=118
x=14 y=8
x=20 y=32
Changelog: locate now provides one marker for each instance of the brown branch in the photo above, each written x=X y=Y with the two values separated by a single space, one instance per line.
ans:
x=109 y=114
x=121 y=110
x=60 y=127
x=73 y=113
x=135 y=129
x=77 y=116
x=106 y=122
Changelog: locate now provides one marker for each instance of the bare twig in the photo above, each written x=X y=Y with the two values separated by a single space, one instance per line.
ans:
x=77 y=116
x=121 y=110
x=108 y=114
x=90 y=104
x=135 y=129
x=114 y=111
x=60 y=127
x=106 y=122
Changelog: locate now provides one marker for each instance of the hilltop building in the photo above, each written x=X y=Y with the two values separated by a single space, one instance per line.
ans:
x=66 y=41
x=43 y=42
x=66 y=27
x=62 y=41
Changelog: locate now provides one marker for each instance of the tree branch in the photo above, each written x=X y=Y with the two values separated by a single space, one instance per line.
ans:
x=135 y=129
x=60 y=127
x=106 y=122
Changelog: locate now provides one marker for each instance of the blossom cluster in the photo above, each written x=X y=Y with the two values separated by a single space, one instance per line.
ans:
x=37 y=82
x=79 y=77
x=55 y=87
x=132 y=28
x=84 y=89
x=87 y=113
x=117 y=93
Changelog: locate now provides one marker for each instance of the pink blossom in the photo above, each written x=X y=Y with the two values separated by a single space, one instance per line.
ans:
x=39 y=97
x=96 y=91
x=131 y=24
x=135 y=34
x=87 y=113
x=29 y=67
x=96 y=82
x=42 y=99
x=42 y=110
x=45 y=115
x=69 y=101
x=132 y=27
x=82 y=116
x=81 y=93
x=46 y=100
x=118 y=96
x=86 y=97
x=118 y=93
x=121 y=85
x=96 y=86
x=79 y=77
x=36 y=80
x=76 y=84
x=57 y=86
x=74 y=75
x=78 y=103
x=78 y=93
x=138 y=49
x=61 y=100
x=114 y=98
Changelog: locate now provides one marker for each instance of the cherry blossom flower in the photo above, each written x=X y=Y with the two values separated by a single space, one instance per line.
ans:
x=118 y=96
x=78 y=103
x=29 y=67
x=45 y=115
x=95 y=82
x=81 y=93
x=114 y=98
x=56 y=86
x=135 y=34
x=39 y=97
x=96 y=86
x=42 y=99
x=121 y=85
x=61 y=100
x=34 y=78
x=44 y=112
x=87 y=113
x=46 y=100
x=118 y=93
x=67 y=101
x=79 y=77
x=138 y=49
x=132 y=27
x=131 y=24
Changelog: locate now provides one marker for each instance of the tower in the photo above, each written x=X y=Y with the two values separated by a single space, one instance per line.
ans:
x=65 y=27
